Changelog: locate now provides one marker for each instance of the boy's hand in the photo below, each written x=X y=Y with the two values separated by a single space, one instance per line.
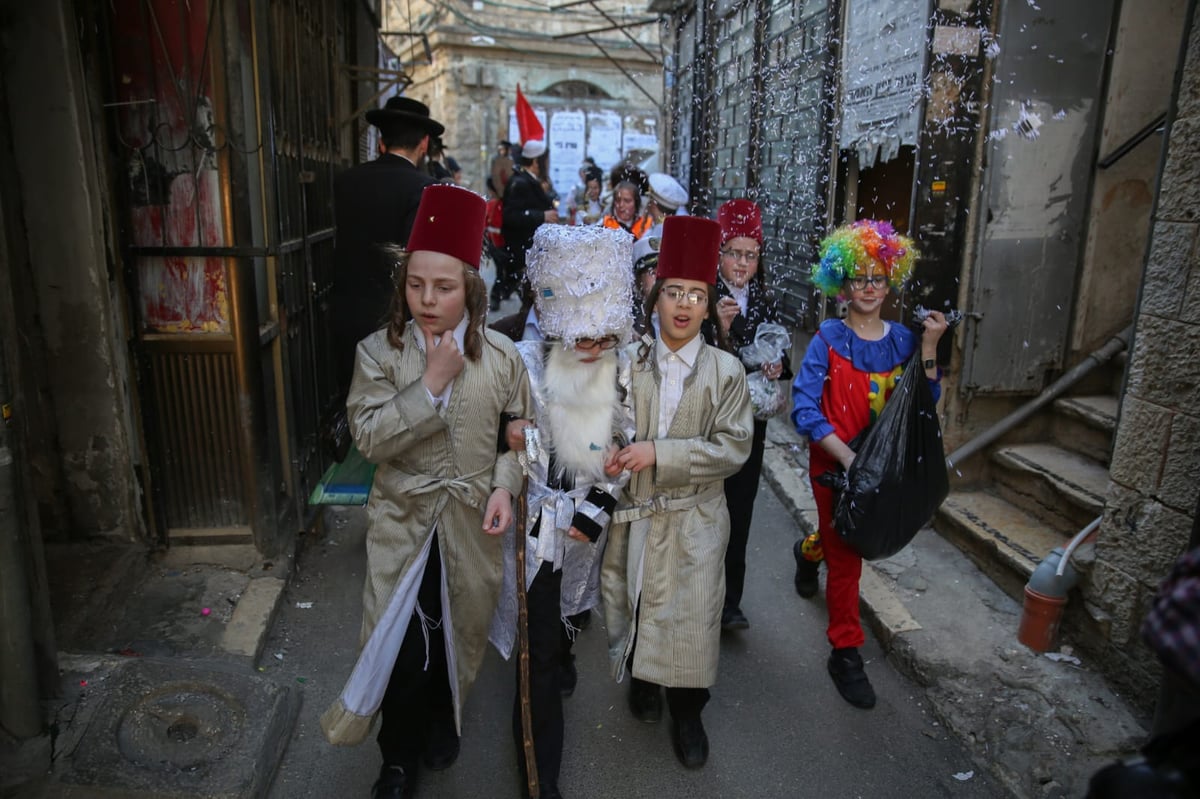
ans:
x=497 y=516
x=578 y=536
x=514 y=434
x=611 y=467
x=443 y=361
x=727 y=311
x=637 y=456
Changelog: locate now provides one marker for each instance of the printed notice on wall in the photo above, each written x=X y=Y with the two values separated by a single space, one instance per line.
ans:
x=568 y=138
x=883 y=65
x=604 y=138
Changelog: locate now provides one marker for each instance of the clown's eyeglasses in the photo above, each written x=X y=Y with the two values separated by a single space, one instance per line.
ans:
x=876 y=281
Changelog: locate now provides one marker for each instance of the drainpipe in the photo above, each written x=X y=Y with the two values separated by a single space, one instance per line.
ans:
x=20 y=715
x=1115 y=344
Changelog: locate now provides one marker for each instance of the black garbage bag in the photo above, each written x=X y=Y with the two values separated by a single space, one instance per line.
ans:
x=898 y=477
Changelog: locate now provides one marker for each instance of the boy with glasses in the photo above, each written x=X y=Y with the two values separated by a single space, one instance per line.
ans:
x=664 y=573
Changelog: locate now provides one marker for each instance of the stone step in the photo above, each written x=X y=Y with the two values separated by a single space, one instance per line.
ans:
x=1004 y=541
x=1063 y=488
x=1085 y=425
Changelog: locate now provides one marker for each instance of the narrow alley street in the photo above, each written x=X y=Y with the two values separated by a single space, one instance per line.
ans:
x=777 y=726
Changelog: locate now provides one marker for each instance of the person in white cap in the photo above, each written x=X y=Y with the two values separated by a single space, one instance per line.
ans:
x=582 y=281
x=526 y=206
x=664 y=199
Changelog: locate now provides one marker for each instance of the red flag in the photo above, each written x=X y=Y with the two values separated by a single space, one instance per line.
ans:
x=528 y=124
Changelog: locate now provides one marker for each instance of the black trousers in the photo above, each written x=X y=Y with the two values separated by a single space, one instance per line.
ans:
x=417 y=697
x=547 y=639
x=740 y=492
x=683 y=703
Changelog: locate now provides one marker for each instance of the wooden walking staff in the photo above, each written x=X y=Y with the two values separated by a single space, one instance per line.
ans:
x=532 y=445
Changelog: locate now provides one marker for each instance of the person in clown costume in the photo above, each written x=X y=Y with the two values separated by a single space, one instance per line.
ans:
x=845 y=379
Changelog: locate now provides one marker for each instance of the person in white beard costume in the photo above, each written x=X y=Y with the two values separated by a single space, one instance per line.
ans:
x=582 y=282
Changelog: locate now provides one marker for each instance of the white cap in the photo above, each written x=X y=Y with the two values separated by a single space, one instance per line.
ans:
x=666 y=191
x=532 y=148
x=582 y=281
x=647 y=245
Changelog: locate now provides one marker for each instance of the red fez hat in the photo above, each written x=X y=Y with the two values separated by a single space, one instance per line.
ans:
x=690 y=249
x=450 y=221
x=740 y=218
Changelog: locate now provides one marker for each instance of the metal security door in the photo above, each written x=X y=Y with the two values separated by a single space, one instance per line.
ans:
x=1037 y=181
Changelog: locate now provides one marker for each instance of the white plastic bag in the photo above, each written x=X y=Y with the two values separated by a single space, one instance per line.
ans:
x=767 y=397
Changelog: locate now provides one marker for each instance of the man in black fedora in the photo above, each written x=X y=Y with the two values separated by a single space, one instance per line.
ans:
x=375 y=203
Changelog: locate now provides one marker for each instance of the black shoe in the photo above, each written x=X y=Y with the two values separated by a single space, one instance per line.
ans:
x=646 y=703
x=443 y=747
x=393 y=783
x=691 y=742
x=734 y=619
x=806 y=573
x=567 y=676
x=846 y=669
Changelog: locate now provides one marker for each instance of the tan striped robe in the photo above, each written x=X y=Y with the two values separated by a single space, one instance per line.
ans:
x=435 y=472
x=667 y=560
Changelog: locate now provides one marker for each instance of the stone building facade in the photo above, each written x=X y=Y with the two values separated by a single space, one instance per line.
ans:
x=1151 y=510
x=607 y=86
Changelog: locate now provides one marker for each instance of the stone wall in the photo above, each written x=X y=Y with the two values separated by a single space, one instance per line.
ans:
x=1155 y=470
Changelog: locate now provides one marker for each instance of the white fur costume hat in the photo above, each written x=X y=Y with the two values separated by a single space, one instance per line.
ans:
x=582 y=281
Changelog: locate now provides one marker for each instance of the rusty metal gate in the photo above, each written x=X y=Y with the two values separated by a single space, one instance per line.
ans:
x=223 y=132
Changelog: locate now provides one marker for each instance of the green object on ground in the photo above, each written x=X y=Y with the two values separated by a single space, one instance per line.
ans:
x=345 y=483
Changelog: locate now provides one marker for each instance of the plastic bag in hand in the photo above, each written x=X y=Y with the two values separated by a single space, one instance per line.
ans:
x=770 y=342
x=767 y=397
x=898 y=477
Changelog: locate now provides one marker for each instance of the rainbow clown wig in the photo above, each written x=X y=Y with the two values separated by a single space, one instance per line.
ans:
x=846 y=252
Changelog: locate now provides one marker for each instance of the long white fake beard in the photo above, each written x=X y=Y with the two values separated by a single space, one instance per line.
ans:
x=579 y=399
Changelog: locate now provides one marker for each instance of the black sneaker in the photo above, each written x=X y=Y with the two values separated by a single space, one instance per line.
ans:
x=846 y=669
x=393 y=783
x=806 y=581
x=734 y=619
x=691 y=742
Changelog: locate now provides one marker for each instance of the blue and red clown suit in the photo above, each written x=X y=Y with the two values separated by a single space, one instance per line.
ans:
x=841 y=387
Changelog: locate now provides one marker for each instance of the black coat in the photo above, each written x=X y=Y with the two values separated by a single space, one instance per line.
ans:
x=374 y=203
x=525 y=206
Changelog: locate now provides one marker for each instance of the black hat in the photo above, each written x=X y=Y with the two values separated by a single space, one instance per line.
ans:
x=404 y=111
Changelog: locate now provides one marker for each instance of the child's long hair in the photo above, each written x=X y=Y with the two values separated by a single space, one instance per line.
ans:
x=713 y=320
x=476 y=305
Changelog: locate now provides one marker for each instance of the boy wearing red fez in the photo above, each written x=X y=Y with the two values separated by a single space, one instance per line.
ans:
x=424 y=405
x=744 y=302
x=664 y=576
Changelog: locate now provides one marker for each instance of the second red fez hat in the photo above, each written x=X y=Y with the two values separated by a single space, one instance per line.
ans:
x=740 y=218
x=450 y=220
x=690 y=249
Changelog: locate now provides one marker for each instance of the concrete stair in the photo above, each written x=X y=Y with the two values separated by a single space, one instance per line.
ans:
x=1038 y=495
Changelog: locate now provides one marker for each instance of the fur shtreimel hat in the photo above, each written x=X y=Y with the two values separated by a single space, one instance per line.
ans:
x=582 y=281
x=402 y=112
x=450 y=220
x=690 y=250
